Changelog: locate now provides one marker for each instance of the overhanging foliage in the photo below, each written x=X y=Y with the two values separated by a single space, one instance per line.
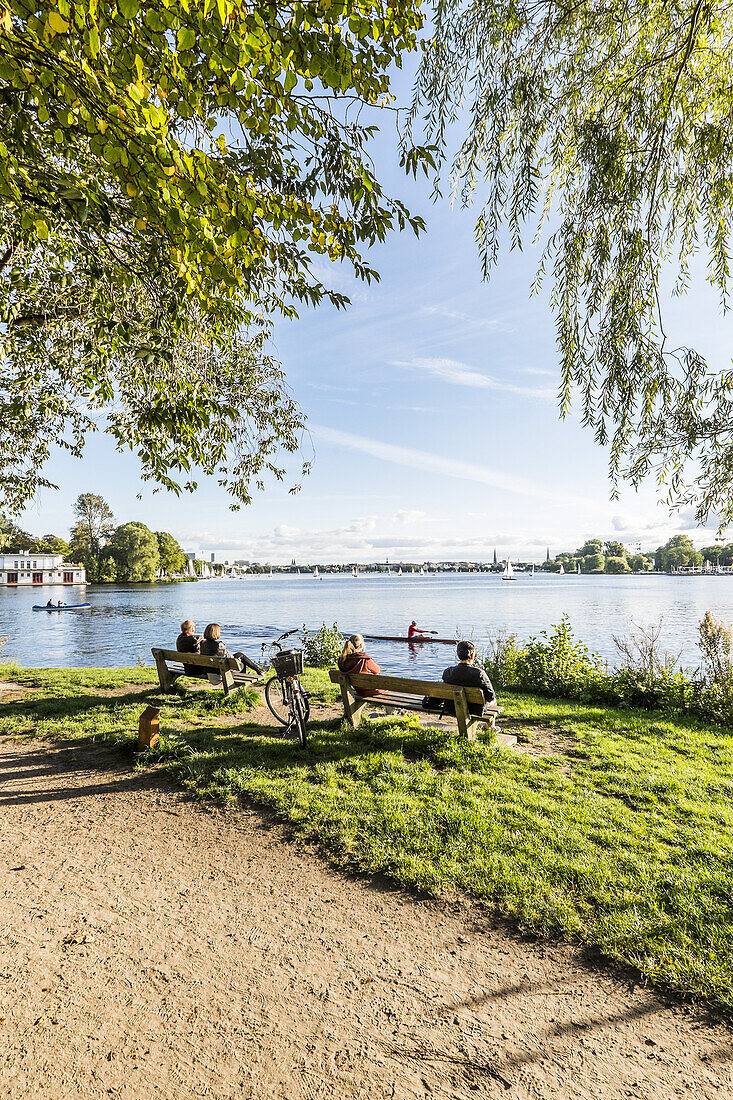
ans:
x=608 y=125
x=167 y=172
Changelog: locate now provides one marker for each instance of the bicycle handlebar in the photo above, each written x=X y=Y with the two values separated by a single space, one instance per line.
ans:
x=287 y=634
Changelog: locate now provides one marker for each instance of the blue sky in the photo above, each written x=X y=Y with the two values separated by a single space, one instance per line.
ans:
x=433 y=424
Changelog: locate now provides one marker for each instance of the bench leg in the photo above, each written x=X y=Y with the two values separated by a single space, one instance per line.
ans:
x=164 y=676
x=463 y=718
x=227 y=680
x=352 y=708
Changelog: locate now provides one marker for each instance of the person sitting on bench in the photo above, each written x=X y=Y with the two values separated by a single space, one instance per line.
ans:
x=355 y=659
x=212 y=646
x=188 y=642
x=467 y=674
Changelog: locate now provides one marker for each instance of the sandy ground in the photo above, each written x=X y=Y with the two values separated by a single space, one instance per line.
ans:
x=151 y=947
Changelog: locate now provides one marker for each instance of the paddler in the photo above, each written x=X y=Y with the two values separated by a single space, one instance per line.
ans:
x=415 y=631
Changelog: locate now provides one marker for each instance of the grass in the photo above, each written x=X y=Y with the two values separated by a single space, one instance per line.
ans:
x=622 y=840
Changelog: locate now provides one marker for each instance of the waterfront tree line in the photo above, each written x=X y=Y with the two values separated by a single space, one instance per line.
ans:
x=596 y=556
x=127 y=553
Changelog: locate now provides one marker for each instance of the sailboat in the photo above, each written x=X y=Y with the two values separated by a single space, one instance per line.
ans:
x=532 y=573
x=316 y=574
x=578 y=569
x=561 y=570
x=422 y=571
x=508 y=574
x=355 y=572
x=389 y=571
x=399 y=571
x=271 y=572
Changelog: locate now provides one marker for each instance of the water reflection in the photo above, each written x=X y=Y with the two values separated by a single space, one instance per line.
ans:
x=124 y=622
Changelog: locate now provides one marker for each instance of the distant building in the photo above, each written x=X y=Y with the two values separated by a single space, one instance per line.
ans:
x=25 y=567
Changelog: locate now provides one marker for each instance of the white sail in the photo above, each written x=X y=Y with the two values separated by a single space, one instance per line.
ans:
x=532 y=573
x=578 y=569
x=508 y=574
x=422 y=571
x=389 y=571
x=561 y=571
x=399 y=571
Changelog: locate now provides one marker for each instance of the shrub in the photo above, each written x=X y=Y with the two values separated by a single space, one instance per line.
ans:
x=322 y=648
x=556 y=664
x=716 y=642
x=552 y=664
x=501 y=660
x=647 y=676
x=713 y=687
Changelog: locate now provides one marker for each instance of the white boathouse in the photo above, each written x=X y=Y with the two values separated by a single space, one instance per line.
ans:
x=25 y=567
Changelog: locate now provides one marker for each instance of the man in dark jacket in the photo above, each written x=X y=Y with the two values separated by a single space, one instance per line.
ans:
x=467 y=674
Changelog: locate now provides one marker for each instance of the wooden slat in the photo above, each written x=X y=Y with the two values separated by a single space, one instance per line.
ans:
x=436 y=689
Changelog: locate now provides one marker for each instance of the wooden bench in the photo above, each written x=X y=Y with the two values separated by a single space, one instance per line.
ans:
x=397 y=693
x=222 y=671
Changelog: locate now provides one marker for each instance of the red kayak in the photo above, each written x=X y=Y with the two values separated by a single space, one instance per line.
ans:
x=417 y=638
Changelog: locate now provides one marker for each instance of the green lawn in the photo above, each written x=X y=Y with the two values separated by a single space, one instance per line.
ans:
x=623 y=839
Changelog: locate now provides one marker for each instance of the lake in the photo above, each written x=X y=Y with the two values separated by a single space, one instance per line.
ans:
x=124 y=621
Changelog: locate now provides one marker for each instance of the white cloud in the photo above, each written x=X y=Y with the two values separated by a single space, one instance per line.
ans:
x=448 y=467
x=461 y=374
x=493 y=324
x=537 y=370
x=408 y=515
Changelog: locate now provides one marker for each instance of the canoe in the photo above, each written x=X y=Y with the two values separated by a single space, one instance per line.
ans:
x=417 y=638
x=66 y=607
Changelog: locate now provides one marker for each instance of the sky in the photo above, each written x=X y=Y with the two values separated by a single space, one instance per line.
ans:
x=432 y=421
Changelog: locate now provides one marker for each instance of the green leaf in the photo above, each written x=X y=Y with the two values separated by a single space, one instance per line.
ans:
x=185 y=39
x=128 y=9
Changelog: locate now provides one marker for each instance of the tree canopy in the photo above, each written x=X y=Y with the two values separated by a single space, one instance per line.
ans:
x=168 y=171
x=172 y=557
x=604 y=128
x=677 y=553
x=134 y=548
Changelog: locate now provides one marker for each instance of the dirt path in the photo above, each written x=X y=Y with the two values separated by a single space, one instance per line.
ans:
x=152 y=948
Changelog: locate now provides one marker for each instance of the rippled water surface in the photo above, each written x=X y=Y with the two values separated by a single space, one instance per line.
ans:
x=124 y=622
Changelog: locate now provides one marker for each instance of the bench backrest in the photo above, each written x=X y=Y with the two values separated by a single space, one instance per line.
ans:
x=435 y=689
x=200 y=659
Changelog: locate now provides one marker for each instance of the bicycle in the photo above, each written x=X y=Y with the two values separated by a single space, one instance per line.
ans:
x=284 y=693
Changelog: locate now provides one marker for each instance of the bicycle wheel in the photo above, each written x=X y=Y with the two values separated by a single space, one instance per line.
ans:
x=276 y=697
x=301 y=711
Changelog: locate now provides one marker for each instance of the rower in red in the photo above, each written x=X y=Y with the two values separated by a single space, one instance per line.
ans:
x=415 y=630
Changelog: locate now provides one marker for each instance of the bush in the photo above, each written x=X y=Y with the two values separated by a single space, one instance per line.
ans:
x=323 y=648
x=713 y=687
x=552 y=664
x=647 y=676
x=556 y=664
x=501 y=661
